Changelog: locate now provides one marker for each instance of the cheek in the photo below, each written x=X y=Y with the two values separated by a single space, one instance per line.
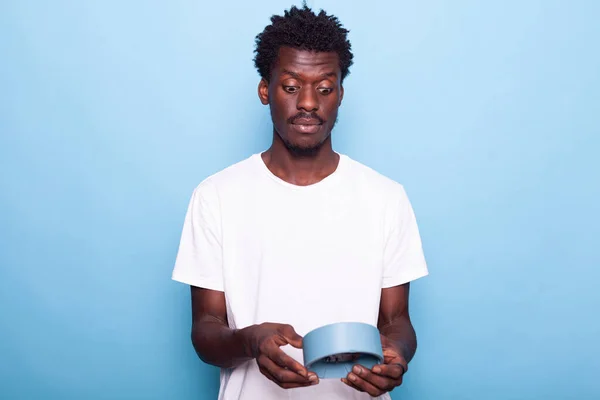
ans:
x=276 y=112
x=282 y=108
x=332 y=112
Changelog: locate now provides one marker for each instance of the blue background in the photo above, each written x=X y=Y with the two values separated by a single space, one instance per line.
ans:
x=111 y=112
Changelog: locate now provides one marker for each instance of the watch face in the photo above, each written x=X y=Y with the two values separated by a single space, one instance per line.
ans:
x=342 y=358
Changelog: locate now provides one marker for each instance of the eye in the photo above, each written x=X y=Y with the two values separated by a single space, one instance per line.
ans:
x=325 y=90
x=291 y=89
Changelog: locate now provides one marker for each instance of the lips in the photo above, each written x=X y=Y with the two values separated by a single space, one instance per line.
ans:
x=307 y=126
x=307 y=122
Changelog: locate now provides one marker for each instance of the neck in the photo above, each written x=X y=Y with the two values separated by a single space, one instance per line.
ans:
x=300 y=170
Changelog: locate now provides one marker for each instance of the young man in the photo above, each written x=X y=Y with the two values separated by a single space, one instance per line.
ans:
x=299 y=236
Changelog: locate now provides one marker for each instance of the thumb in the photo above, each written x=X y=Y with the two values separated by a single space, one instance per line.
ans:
x=292 y=337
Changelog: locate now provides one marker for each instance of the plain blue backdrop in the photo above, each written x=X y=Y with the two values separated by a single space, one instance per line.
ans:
x=111 y=112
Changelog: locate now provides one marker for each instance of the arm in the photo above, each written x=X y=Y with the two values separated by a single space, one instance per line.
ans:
x=399 y=343
x=403 y=262
x=394 y=321
x=200 y=265
x=217 y=344
x=214 y=342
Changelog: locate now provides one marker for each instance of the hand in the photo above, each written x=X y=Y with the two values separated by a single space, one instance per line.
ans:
x=382 y=378
x=265 y=341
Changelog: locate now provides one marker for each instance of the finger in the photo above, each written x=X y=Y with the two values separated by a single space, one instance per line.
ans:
x=364 y=385
x=266 y=373
x=347 y=382
x=284 y=385
x=269 y=376
x=394 y=371
x=384 y=383
x=282 y=375
x=285 y=361
x=291 y=336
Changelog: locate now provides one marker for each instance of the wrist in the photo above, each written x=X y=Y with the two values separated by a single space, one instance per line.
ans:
x=403 y=349
x=397 y=346
x=246 y=337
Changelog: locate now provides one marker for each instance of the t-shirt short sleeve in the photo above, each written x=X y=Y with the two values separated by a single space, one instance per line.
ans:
x=404 y=260
x=199 y=258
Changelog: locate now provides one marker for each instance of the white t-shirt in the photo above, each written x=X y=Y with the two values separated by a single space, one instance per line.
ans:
x=301 y=255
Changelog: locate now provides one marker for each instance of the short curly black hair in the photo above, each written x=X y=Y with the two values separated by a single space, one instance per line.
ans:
x=301 y=28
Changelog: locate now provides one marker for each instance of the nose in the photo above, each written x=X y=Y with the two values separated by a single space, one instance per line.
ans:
x=307 y=99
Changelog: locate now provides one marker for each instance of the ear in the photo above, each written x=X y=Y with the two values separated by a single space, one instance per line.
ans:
x=263 y=91
x=341 y=94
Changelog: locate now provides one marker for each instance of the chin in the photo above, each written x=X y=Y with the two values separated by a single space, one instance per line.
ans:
x=303 y=149
x=302 y=145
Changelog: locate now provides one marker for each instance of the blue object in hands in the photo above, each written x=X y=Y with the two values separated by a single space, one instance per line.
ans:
x=332 y=350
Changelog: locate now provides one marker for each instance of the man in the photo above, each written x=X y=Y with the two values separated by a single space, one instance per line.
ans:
x=299 y=236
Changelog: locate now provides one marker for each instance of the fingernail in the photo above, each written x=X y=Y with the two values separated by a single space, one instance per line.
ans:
x=312 y=377
x=357 y=369
x=352 y=377
x=377 y=370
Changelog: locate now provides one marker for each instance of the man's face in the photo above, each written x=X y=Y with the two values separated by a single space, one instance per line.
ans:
x=304 y=95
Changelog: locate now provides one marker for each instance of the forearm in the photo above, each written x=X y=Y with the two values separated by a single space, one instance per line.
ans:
x=217 y=344
x=401 y=333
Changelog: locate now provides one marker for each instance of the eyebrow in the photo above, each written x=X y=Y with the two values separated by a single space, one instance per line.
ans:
x=297 y=76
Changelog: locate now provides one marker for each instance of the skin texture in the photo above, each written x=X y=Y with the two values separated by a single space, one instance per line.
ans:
x=304 y=93
x=304 y=88
x=217 y=344
x=399 y=344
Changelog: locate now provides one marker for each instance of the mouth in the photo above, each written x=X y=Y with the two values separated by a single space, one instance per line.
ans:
x=307 y=126
x=306 y=121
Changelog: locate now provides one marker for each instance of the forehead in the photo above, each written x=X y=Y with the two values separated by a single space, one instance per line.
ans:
x=306 y=62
